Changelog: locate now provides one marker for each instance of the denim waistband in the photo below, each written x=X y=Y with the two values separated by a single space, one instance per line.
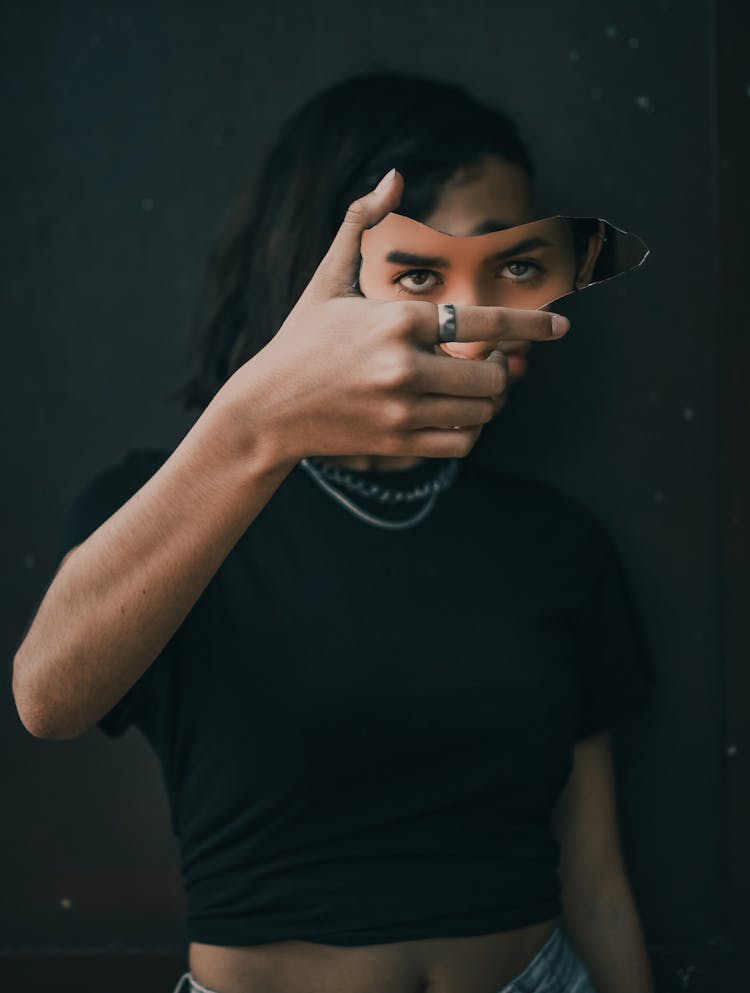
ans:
x=555 y=968
x=193 y=986
x=555 y=960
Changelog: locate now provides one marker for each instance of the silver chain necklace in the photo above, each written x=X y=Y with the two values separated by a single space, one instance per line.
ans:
x=322 y=473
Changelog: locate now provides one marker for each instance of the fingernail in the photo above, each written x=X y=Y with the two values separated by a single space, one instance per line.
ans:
x=560 y=325
x=385 y=180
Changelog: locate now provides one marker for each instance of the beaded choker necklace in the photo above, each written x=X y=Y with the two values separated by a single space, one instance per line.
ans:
x=325 y=475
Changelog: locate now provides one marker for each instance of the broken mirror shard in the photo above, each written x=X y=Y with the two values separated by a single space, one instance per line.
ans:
x=528 y=265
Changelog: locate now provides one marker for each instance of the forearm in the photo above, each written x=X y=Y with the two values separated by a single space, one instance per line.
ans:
x=120 y=596
x=606 y=934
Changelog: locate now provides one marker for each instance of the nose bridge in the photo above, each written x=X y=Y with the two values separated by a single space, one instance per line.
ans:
x=468 y=287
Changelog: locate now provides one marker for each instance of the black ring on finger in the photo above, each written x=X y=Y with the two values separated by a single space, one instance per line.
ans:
x=446 y=322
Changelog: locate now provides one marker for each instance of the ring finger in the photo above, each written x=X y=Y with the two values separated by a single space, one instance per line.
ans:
x=447 y=412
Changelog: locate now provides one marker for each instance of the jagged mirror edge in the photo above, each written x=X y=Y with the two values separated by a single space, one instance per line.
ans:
x=628 y=237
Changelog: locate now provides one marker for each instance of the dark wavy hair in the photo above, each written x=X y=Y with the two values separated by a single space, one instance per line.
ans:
x=332 y=150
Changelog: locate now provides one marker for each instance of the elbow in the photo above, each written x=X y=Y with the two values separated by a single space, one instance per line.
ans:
x=39 y=720
x=40 y=725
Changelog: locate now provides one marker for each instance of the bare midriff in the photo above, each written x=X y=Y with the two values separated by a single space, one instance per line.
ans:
x=474 y=964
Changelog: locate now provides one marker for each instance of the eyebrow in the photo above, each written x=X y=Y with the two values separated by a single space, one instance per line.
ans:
x=409 y=258
x=525 y=245
x=439 y=262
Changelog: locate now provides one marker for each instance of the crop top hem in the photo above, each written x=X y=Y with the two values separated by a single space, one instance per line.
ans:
x=476 y=922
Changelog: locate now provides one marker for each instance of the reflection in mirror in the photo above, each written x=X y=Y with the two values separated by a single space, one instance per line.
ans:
x=527 y=266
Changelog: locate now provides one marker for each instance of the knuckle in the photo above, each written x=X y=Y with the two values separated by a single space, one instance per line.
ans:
x=401 y=317
x=396 y=413
x=398 y=370
x=356 y=212
x=408 y=375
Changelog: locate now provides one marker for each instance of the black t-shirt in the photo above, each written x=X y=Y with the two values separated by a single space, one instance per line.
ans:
x=363 y=732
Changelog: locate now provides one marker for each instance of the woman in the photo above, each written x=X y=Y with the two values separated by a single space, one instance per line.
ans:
x=379 y=680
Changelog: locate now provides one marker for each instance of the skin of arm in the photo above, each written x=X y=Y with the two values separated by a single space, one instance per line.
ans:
x=118 y=597
x=600 y=916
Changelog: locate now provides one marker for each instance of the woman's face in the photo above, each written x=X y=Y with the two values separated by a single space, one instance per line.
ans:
x=464 y=254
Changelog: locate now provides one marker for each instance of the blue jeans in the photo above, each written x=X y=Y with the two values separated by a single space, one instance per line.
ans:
x=554 y=969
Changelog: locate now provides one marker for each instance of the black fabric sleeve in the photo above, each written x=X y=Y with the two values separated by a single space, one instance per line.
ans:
x=616 y=669
x=104 y=494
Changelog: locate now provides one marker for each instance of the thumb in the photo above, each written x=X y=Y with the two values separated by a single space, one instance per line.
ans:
x=337 y=271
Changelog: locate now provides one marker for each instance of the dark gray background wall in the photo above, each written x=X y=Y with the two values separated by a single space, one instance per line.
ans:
x=128 y=128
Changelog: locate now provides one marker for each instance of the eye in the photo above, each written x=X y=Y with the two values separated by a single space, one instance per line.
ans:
x=420 y=280
x=521 y=270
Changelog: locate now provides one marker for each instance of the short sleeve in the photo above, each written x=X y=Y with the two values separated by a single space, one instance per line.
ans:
x=104 y=493
x=616 y=670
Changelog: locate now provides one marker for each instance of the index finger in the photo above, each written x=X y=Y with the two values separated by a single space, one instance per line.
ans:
x=480 y=323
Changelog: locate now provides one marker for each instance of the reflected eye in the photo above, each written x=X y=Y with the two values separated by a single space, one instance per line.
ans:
x=420 y=280
x=521 y=270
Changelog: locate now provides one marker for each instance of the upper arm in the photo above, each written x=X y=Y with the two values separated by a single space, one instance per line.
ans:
x=585 y=822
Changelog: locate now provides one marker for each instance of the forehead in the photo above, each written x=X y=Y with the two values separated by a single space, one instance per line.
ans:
x=397 y=233
x=492 y=187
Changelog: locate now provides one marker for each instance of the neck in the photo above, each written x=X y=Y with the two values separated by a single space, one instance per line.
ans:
x=383 y=463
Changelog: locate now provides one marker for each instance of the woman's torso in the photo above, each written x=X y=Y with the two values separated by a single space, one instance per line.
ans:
x=348 y=727
x=474 y=964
